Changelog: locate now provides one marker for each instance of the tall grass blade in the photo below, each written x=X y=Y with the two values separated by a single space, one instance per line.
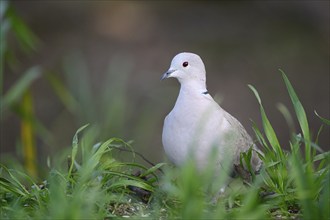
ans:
x=80 y=86
x=324 y=120
x=27 y=39
x=260 y=137
x=17 y=90
x=124 y=183
x=268 y=129
x=301 y=115
x=3 y=7
x=4 y=28
x=287 y=116
x=303 y=179
x=62 y=92
x=75 y=142
x=324 y=201
x=15 y=185
x=27 y=134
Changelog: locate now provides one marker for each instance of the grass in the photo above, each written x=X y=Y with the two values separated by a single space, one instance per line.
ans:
x=92 y=183
x=102 y=180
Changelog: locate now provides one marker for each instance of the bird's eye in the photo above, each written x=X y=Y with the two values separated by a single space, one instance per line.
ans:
x=185 y=64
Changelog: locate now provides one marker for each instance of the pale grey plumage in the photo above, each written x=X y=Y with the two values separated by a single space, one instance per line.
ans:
x=197 y=124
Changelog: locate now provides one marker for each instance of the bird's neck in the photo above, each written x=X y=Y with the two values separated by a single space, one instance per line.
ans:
x=193 y=87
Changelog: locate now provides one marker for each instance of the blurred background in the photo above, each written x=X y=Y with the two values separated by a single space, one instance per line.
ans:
x=69 y=63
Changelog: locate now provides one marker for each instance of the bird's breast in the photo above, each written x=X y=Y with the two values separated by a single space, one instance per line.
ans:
x=191 y=128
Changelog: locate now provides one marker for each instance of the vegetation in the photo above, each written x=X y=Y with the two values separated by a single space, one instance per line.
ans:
x=97 y=185
x=92 y=182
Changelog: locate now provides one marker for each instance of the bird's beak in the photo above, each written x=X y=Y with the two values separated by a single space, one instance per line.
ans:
x=167 y=74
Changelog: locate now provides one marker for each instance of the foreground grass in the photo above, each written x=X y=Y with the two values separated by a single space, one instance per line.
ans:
x=94 y=184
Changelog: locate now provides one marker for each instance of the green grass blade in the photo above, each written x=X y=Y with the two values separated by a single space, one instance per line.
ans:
x=17 y=90
x=305 y=183
x=8 y=186
x=153 y=169
x=260 y=137
x=4 y=29
x=269 y=131
x=125 y=183
x=63 y=93
x=287 y=116
x=324 y=120
x=322 y=156
x=324 y=201
x=19 y=186
x=95 y=159
x=27 y=39
x=301 y=115
x=75 y=142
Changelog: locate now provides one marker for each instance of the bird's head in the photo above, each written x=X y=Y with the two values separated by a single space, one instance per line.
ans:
x=186 y=67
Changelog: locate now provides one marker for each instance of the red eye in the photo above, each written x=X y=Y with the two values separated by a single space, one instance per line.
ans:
x=185 y=64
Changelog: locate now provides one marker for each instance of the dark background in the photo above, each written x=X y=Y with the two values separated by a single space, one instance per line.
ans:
x=110 y=56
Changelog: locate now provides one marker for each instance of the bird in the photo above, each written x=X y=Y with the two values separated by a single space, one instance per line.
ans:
x=198 y=127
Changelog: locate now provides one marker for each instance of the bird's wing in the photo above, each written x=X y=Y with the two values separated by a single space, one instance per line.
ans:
x=243 y=142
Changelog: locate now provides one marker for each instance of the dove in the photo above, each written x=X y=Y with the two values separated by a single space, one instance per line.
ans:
x=197 y=125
